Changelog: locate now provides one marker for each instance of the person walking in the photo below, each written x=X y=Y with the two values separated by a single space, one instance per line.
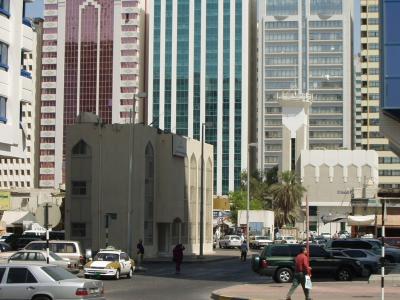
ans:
x=178 y=257
x=140 y=253
x=243 y=251
x=302 y=269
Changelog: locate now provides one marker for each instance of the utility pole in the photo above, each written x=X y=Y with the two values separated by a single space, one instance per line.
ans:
x=203 y=127
x=46 y=225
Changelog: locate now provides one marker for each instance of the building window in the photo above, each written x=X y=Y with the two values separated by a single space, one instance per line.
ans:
x=81 y=148
x=79 y=188
x=3 y=110
x=78 y=229
x=3 y=56
x=326 y=7
x=5 y=7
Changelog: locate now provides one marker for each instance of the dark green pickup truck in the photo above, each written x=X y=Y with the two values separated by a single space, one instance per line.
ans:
x=278 y=261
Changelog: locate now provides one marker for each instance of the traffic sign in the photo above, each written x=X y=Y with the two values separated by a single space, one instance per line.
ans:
x=54 y=214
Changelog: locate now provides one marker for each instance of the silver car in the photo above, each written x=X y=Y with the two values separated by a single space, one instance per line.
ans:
x=230 y=241
x=29 y=256
x=45 y=282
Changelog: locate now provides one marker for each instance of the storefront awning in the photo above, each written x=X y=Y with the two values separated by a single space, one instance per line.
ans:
x=13 y=218
x=361 y=220
x=333 y=218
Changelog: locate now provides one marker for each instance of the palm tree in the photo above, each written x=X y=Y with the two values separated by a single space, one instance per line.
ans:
x=286 y=197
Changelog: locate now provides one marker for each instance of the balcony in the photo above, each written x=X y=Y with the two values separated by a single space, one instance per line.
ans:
x=28 y=36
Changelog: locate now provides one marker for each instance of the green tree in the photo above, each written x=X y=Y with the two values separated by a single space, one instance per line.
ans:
x=259 y=191
x=238 y=200
x=286 y=198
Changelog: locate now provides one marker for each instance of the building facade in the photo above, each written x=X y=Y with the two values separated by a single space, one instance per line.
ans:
x=390 y=72
x=305 y=46
x=331 y=178
x=200 y=72
x=144 y=202
x=92 y=62
x=372 y=137
x=19 y=173
x=356 y=114
x=16 y=84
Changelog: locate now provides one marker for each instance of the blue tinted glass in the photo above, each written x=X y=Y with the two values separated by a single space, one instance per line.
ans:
x=326 y=7
x=281 y=7
x=168 y=64
x=156 y=62
x=197 y=70
x=182 y=68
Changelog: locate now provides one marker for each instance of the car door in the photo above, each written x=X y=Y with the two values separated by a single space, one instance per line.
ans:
x=125 y=263
x=320 y=260
x=18 y=284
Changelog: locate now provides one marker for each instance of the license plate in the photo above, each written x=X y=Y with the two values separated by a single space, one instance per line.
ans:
x=94 y=291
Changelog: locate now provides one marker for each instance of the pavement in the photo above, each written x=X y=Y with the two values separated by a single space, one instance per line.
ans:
x=321 y=290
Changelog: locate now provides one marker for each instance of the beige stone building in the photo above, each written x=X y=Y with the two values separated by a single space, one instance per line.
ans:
x=156 y=200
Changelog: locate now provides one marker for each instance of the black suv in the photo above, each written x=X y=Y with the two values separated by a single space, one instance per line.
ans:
x=278 y=261
x=392 y=254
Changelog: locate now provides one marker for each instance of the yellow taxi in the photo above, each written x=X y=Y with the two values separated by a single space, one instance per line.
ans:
x=110 y=263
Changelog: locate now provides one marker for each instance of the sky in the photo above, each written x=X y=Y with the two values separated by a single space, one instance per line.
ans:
x=35 y=9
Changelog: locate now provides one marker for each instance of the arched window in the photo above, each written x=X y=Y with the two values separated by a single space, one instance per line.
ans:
x=208 y=200
x=193 y=200
x=81 y=148
x=149 y=195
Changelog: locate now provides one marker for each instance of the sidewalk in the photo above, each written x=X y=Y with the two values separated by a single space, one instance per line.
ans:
x=192 y=259
x=321 y=290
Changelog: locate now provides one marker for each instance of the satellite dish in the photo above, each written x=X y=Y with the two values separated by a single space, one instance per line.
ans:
x=54 y=214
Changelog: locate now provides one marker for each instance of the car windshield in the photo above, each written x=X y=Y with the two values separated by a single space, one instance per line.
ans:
x=106 y=257
x=55 y=256
x=235 y=238
x=58 y=273
x=290 y=238
x=260 y=238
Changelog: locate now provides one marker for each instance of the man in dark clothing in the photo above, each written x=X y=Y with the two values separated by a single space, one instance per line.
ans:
x=140 y=253
x=178 y=257
x=302 y=269
x=243 y=251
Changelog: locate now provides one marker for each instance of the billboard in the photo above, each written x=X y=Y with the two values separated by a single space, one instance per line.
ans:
x=5 y=200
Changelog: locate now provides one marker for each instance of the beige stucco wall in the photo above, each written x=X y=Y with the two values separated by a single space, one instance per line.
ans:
x=108 y=187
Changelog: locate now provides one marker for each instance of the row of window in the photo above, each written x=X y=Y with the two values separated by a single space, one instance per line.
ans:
x=389 y=172
x=15 y=184
x=389 y=160
x=11 y=172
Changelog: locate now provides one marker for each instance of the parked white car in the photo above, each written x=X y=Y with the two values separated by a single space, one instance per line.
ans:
x=230 y=241
x=289 y=240
x=258 y=241
x=38 y=281
x=37 y=256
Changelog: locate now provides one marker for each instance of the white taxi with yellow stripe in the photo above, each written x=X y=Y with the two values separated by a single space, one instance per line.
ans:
x=110 y=263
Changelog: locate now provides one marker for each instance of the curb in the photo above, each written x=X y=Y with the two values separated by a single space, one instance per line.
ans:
x=192 y=261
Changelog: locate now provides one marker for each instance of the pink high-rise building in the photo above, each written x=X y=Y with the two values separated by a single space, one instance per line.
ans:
x=93 y=58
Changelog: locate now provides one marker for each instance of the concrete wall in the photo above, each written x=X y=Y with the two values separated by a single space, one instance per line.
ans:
x=105 y=169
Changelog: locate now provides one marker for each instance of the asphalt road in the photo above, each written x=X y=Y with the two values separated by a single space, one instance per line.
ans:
x=196 y=281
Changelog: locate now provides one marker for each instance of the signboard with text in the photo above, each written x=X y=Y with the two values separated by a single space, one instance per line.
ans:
x=5 y=200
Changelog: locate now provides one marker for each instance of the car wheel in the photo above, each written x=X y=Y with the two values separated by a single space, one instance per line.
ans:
x=284 y=275
x=130 y=273
x=344 y=274
x=117 y=275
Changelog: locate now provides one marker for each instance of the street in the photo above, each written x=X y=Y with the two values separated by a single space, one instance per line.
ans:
x=197 y=280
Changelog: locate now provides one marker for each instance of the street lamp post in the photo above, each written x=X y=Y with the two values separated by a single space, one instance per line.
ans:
x=248 y=189
x=131 y=148
x=203 y=130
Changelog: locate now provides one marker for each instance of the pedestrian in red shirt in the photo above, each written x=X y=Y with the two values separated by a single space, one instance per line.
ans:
x=302 y=269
